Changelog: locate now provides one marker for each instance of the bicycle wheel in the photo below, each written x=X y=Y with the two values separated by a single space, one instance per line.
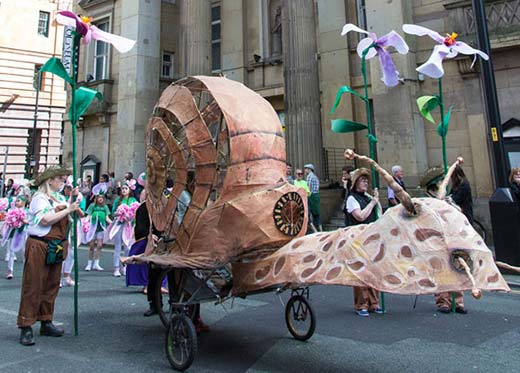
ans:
x=164 y=300
x=181 y=342
x=300 y=318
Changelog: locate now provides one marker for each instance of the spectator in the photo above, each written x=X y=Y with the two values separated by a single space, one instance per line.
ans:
x=300 y=183
x=288 y=172
x=314 y=198
x=363 y=209
x=514 y=179
x=397 y=173
x=346 y=182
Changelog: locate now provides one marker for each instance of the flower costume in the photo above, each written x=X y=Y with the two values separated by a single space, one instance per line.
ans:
x=15 y=233
x=122 y=228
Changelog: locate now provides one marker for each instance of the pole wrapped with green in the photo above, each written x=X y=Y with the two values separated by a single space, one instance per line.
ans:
x=80 y=100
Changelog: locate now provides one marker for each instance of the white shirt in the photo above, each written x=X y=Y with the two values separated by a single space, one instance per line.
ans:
x=352 y=204
x=40 y=205
x=390 y=193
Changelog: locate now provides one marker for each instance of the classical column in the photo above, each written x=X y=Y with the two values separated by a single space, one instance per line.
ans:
x=195 y=37
x=302 y=92
x=138 y=83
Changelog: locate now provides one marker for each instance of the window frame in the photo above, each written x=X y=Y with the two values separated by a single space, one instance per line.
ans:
x=216 y=41
x=105 y=56
x=171 y=62
x=43 y=29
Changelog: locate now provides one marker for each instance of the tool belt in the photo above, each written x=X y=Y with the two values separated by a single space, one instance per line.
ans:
x=54 y=250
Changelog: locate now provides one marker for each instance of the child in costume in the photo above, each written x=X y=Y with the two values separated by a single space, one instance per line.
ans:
x=15 y=231
x=4 y=206
x=69 y=261
x=99 y=221
x=122 y=230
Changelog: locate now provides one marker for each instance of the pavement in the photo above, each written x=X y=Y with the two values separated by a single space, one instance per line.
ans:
x=250 y=335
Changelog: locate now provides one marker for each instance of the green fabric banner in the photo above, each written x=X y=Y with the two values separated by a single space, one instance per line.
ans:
x=54 y=66
x=442 y=128
x=344 y=126
x=426 y=105
x=341 y=91
x=83 y=99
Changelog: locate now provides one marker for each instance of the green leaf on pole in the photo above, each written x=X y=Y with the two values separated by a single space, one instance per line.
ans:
x=341 y=91
x=83 y=99
x=345 y=126
x=426 y=105
x=54 y=66
x=372 y=138
x=442 y=128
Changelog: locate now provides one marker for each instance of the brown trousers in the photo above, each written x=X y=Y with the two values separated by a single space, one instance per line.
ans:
x=41 y=282
x=443 y=300
x=365 y=298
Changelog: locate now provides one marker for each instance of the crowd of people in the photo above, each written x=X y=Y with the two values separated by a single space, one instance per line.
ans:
x=36 y=229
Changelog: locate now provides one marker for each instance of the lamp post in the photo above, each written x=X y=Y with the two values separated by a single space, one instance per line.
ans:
x=31 y=158
x=490 y=95
x=504 y=210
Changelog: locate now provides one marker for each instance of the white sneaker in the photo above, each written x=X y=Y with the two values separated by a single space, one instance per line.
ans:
x=88 y=267
x=117 y=273
x=123 y=270
x=67 y=281
x=97 y=267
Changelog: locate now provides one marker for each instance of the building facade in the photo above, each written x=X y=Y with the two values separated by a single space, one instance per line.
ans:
x=291 y=53
x=29 y=39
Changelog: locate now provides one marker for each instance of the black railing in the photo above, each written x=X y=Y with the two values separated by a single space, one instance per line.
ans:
x=334 y=161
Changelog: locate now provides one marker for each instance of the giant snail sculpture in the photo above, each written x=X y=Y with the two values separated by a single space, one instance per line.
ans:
x=228 y=141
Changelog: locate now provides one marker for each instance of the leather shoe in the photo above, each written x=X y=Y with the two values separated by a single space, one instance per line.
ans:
x=461 y=310
x=26 y=336
x=151 y=311
x=444 y=310
x=50 y=330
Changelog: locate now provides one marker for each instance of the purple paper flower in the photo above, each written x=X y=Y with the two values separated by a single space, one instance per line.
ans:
x=89 y=31
x=448 y=47
x=392 y=39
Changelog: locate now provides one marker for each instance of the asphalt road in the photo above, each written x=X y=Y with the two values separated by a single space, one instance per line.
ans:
x=251 y=335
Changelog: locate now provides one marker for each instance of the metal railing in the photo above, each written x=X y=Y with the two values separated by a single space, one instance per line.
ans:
x=334 y=161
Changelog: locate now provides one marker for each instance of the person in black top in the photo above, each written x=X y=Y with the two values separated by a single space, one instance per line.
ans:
x=514 y=180
x=461 y=192
x=363 y=209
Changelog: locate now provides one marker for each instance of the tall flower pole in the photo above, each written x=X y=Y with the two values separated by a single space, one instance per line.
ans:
x=447 y=47
x=75 y=46
x=368 y=48
x=81 y=98
x=372 y=140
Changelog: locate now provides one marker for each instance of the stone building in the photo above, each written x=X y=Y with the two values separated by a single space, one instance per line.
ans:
x=291 y=53
x=29 y=38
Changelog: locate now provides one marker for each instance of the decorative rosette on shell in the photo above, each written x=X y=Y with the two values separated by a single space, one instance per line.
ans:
x=15 y=228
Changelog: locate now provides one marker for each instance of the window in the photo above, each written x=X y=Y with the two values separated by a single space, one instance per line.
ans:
x=215 y=38
x=361 y=17
x=43 y=23
x=37 y=76
x=167 y=65
x=101 y=54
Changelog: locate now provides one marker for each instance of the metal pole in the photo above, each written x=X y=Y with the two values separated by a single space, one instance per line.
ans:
x=490 y=96
x=2 y=182
x=31 y=161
